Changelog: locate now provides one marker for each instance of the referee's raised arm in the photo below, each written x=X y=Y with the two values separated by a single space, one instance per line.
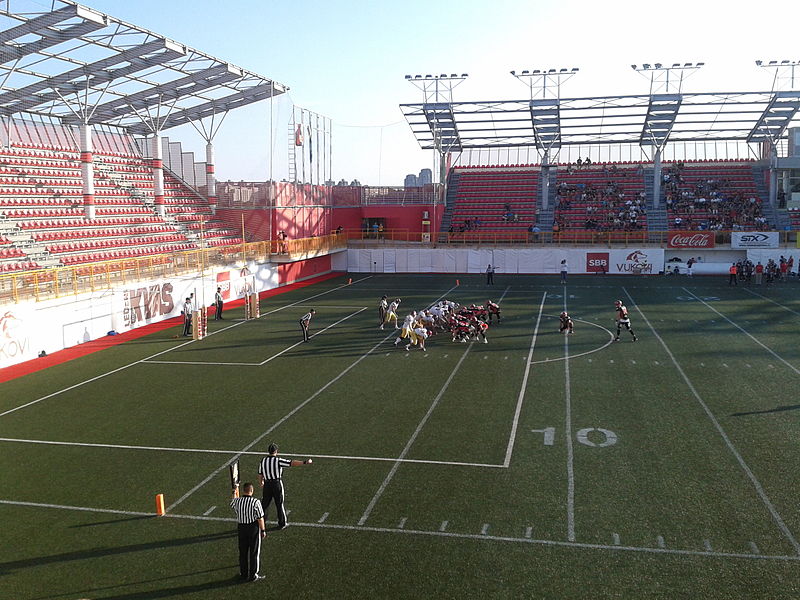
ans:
x=270 y=474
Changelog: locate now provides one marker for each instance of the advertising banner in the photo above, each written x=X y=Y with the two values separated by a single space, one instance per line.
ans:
x=690 y=239
x=754 y=239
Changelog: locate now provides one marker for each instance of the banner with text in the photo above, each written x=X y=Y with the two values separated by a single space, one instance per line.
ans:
x=691 y=239
x=755 y=239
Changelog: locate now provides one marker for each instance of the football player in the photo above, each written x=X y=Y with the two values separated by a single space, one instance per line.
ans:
x=566 y=323
x=622 y=319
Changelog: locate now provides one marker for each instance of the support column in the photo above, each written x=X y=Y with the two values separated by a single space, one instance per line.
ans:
x=211 y=182
x=87 y=170
x=657 y=178
x=786 y=193
x=157 y=165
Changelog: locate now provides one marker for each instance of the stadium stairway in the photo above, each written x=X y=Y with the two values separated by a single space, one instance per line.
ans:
x=777 y=217
x=450 y=201
x=545 y=217
x=656 y=212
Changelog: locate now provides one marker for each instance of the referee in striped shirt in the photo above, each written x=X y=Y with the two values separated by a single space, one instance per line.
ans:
x=269 y=472
x=250 y=519
x=305 y=321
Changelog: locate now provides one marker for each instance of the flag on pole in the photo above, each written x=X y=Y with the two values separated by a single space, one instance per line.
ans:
x=298 y=136
x=310 y=149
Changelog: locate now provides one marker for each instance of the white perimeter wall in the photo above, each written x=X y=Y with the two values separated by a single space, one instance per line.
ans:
x=517 y=260
x=27 y=329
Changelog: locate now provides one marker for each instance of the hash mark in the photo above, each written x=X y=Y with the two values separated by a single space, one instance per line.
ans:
x=209 y=511
x=402 y=523
x=770 y=367
x=443 y=526
x=725 y=365
x=611 y=361
x=528 y=532
x=633 y=362
x=660 y=542
x=754 y=548
x=707 y=546
x=616 y=539
x=656 y=362
x=323 y=517
x=485 y=529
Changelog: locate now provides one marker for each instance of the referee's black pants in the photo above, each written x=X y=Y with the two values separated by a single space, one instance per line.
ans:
x=273 y=490
x=249 y=549
x=304 y=329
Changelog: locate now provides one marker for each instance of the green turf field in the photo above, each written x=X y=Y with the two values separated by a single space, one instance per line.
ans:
x=535 y=466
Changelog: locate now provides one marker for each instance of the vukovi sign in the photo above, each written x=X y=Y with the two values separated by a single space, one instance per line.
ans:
x=691 y=239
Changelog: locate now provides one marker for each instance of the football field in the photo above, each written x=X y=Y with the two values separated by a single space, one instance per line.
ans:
x=537 y=465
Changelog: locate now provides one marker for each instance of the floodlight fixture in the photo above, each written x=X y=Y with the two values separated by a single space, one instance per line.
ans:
x=575 y=69
x=676 y=65
x=513 y=72
x=526 y=72
x=453 y=75
x=552 y=71
x=646 y=66
x=408 y=76
x=633 y=67
x=536 y=72
x=464 y=75
x=785 y=77
x=443 y=75
x=658 y=65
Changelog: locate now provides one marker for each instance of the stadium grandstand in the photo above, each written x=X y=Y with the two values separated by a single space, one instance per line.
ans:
x=118 y=246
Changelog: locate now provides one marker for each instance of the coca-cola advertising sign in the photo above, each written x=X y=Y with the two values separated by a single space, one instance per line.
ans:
x=691 y=239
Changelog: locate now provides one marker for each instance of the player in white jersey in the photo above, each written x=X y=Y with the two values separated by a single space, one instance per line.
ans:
x=391 y=313
x=421 y=334
x=407 y=331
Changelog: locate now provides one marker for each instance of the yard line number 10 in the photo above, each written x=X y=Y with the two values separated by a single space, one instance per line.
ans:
x=601 y=438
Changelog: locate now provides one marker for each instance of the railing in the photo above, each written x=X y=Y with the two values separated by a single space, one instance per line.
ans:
x=57 y=282
x=569 y=237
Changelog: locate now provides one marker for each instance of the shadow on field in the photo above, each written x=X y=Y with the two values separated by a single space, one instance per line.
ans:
x=162 y=593
x=767 y=411
x=38 y=561
x=122 y=520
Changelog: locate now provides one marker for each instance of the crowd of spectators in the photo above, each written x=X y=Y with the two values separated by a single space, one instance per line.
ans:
x=711 y=204
x=607 y=207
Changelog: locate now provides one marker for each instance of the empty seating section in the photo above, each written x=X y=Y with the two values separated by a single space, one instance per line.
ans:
x=704 y=196
x=600 y=198
x=495 y=201
x=42 y=213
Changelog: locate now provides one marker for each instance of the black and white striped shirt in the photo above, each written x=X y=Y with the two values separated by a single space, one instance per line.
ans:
x=271 y=467
x=306 y=318
x=248 y=509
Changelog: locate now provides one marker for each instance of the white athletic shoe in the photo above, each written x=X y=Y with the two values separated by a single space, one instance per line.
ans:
x=485 y=341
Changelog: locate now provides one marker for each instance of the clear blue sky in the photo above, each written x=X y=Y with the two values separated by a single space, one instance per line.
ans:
x=346 y=60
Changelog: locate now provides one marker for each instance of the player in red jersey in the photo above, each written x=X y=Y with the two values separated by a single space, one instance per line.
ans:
x=492 y=308
x=622 y=319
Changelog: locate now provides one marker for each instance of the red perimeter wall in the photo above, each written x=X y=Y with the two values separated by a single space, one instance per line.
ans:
x=305 y=221
x=303 y=269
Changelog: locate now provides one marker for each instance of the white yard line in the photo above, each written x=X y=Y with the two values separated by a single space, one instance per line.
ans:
x=170 y=349
x=400 y=529
x=413 y=438
x=786 y=308
x=568 y=437
x=750 y=475
x=287 y=416
x=764 y=346
x=258 y=364
x=515 y=423
x=239 y=452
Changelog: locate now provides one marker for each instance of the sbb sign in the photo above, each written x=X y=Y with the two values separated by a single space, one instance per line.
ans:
x=691 y=239
x=597 y=262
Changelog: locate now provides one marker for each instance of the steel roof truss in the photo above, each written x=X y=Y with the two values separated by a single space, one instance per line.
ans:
x=546 y=120
x=776 y=117
x=660 y=119
x=442 y=123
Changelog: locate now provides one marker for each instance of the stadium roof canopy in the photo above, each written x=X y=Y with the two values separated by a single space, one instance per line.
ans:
x=646 y=120
x=81 y=66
